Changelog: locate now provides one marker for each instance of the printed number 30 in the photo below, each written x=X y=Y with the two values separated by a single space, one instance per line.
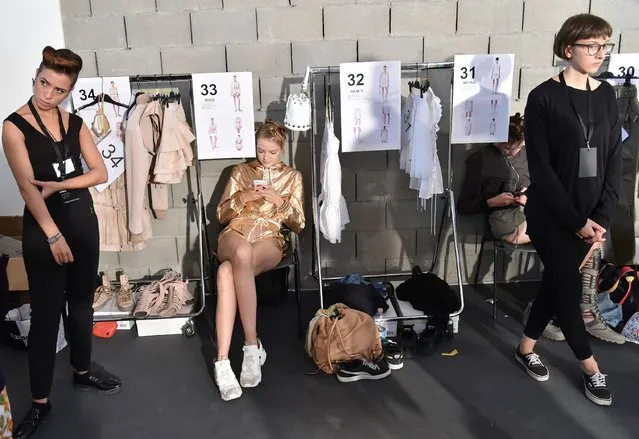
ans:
x=210 y=89
x=351 y=79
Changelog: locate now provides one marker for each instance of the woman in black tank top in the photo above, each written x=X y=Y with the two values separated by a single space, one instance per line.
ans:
x=60 y=240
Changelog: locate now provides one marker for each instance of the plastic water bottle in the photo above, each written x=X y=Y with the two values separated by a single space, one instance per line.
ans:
x=380 y=322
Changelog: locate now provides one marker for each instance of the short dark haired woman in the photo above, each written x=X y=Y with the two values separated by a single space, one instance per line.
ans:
x=573 y=141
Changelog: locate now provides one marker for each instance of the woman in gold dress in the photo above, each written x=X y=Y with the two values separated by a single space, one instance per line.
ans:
x=260 y=198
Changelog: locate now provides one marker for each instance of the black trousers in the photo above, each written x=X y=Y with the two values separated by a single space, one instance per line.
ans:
x=53 y=286
x=560 y=292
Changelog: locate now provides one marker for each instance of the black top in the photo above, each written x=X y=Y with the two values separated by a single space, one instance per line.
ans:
x=489 y=173
x=42 y=157
x=557 y=196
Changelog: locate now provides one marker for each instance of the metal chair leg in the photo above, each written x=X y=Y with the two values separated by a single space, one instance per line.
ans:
x=479 y=259
x=495 y=263
x=298 y=297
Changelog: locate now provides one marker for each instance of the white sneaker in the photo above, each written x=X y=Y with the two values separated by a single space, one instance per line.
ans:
x=226 y=381
x=254 y=359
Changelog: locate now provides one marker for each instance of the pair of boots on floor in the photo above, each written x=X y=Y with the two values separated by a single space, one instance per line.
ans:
x=593 y=320
x=250 y=375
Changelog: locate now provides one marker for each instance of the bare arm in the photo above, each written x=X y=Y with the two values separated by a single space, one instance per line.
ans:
x=18 y=159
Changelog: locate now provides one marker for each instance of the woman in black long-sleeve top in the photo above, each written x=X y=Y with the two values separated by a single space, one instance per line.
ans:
x=573 y=141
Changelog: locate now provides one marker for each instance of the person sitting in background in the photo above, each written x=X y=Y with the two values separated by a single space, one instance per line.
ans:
x=260 y=197
x=495 y=183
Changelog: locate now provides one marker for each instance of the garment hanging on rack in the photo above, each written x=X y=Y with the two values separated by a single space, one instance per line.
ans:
x=624 y=230
x=112 y=211
x=333 y=212
x=174 y=153
x=137 y=164
x=418 y=155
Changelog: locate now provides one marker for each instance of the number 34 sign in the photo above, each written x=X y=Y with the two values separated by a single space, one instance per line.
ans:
x=110 y=141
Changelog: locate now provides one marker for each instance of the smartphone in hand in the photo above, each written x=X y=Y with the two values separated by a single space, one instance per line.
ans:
x=257 y=183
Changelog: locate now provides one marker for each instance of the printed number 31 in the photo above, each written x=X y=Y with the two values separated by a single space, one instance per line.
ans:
x=351 y=79
x=465 y=71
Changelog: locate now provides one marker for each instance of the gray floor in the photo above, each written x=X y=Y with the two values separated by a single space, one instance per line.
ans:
x=480 y=393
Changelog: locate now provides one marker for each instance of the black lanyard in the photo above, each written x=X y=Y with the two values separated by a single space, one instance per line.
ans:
x=587 y=129
x=63 y=155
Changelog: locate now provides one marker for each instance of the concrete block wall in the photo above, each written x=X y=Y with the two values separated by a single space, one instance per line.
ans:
x=277 y=39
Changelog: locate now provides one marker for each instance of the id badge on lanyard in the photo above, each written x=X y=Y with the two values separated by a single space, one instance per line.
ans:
x=64 y=164
x=588 y=154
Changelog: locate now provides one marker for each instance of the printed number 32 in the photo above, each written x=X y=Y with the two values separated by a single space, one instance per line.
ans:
x=210 y=89
x=351 y=79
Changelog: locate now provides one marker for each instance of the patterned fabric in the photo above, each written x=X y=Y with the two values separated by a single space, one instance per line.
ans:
x=6 y=423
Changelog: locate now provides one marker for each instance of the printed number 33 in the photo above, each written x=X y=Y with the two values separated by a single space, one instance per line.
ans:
x=208 y=89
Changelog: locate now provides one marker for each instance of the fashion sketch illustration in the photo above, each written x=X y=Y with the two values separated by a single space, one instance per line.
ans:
x=239 y=143
x=386 y=114
x=468 y=126
x=495 y=74
x=113 y=92
x=468 y=108
x=384 y=83
x=238 y=124
x=237 y=95
x=493 y=127
x=213 y=133
x=357 y=124
x=493 y=105
x=383 y=135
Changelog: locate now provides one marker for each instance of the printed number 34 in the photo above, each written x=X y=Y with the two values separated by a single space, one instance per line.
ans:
x=108 y=155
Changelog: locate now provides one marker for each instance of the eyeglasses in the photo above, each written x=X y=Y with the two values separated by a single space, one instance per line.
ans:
x=594 y=48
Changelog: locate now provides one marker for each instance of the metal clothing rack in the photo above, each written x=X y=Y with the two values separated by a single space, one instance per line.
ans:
x=194 y=200
x=448 y=196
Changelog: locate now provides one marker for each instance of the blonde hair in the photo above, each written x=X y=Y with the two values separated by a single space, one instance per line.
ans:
x=272 y=130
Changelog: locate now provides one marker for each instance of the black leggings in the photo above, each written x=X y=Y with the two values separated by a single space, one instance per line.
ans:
x=50 y=286
x=560 y=292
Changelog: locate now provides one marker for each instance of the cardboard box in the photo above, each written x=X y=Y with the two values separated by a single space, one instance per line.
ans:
x=16 y=273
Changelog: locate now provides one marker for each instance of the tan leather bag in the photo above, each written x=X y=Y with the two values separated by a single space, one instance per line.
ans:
x=340 y=333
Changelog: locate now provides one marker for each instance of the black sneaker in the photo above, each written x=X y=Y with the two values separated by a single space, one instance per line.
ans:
x=533 y=365
x=363 y=370
x=29 y=425
x=597 y=390
x=394 y=354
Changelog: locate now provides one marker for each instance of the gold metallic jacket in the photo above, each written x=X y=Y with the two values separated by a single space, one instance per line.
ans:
x=260 y=218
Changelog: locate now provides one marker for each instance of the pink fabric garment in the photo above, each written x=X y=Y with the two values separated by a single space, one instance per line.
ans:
x=138 y=160
x=112 y=211
x=174 y=153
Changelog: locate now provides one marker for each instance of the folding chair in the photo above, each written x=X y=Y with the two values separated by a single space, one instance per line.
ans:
x=500 y=247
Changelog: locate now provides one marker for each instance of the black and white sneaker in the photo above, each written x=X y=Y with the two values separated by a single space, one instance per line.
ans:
x=363 y=370
x=394 y=354
x=533 y=365
x=596 y=389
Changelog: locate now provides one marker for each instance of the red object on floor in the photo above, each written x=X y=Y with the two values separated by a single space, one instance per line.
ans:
x=105 y=329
